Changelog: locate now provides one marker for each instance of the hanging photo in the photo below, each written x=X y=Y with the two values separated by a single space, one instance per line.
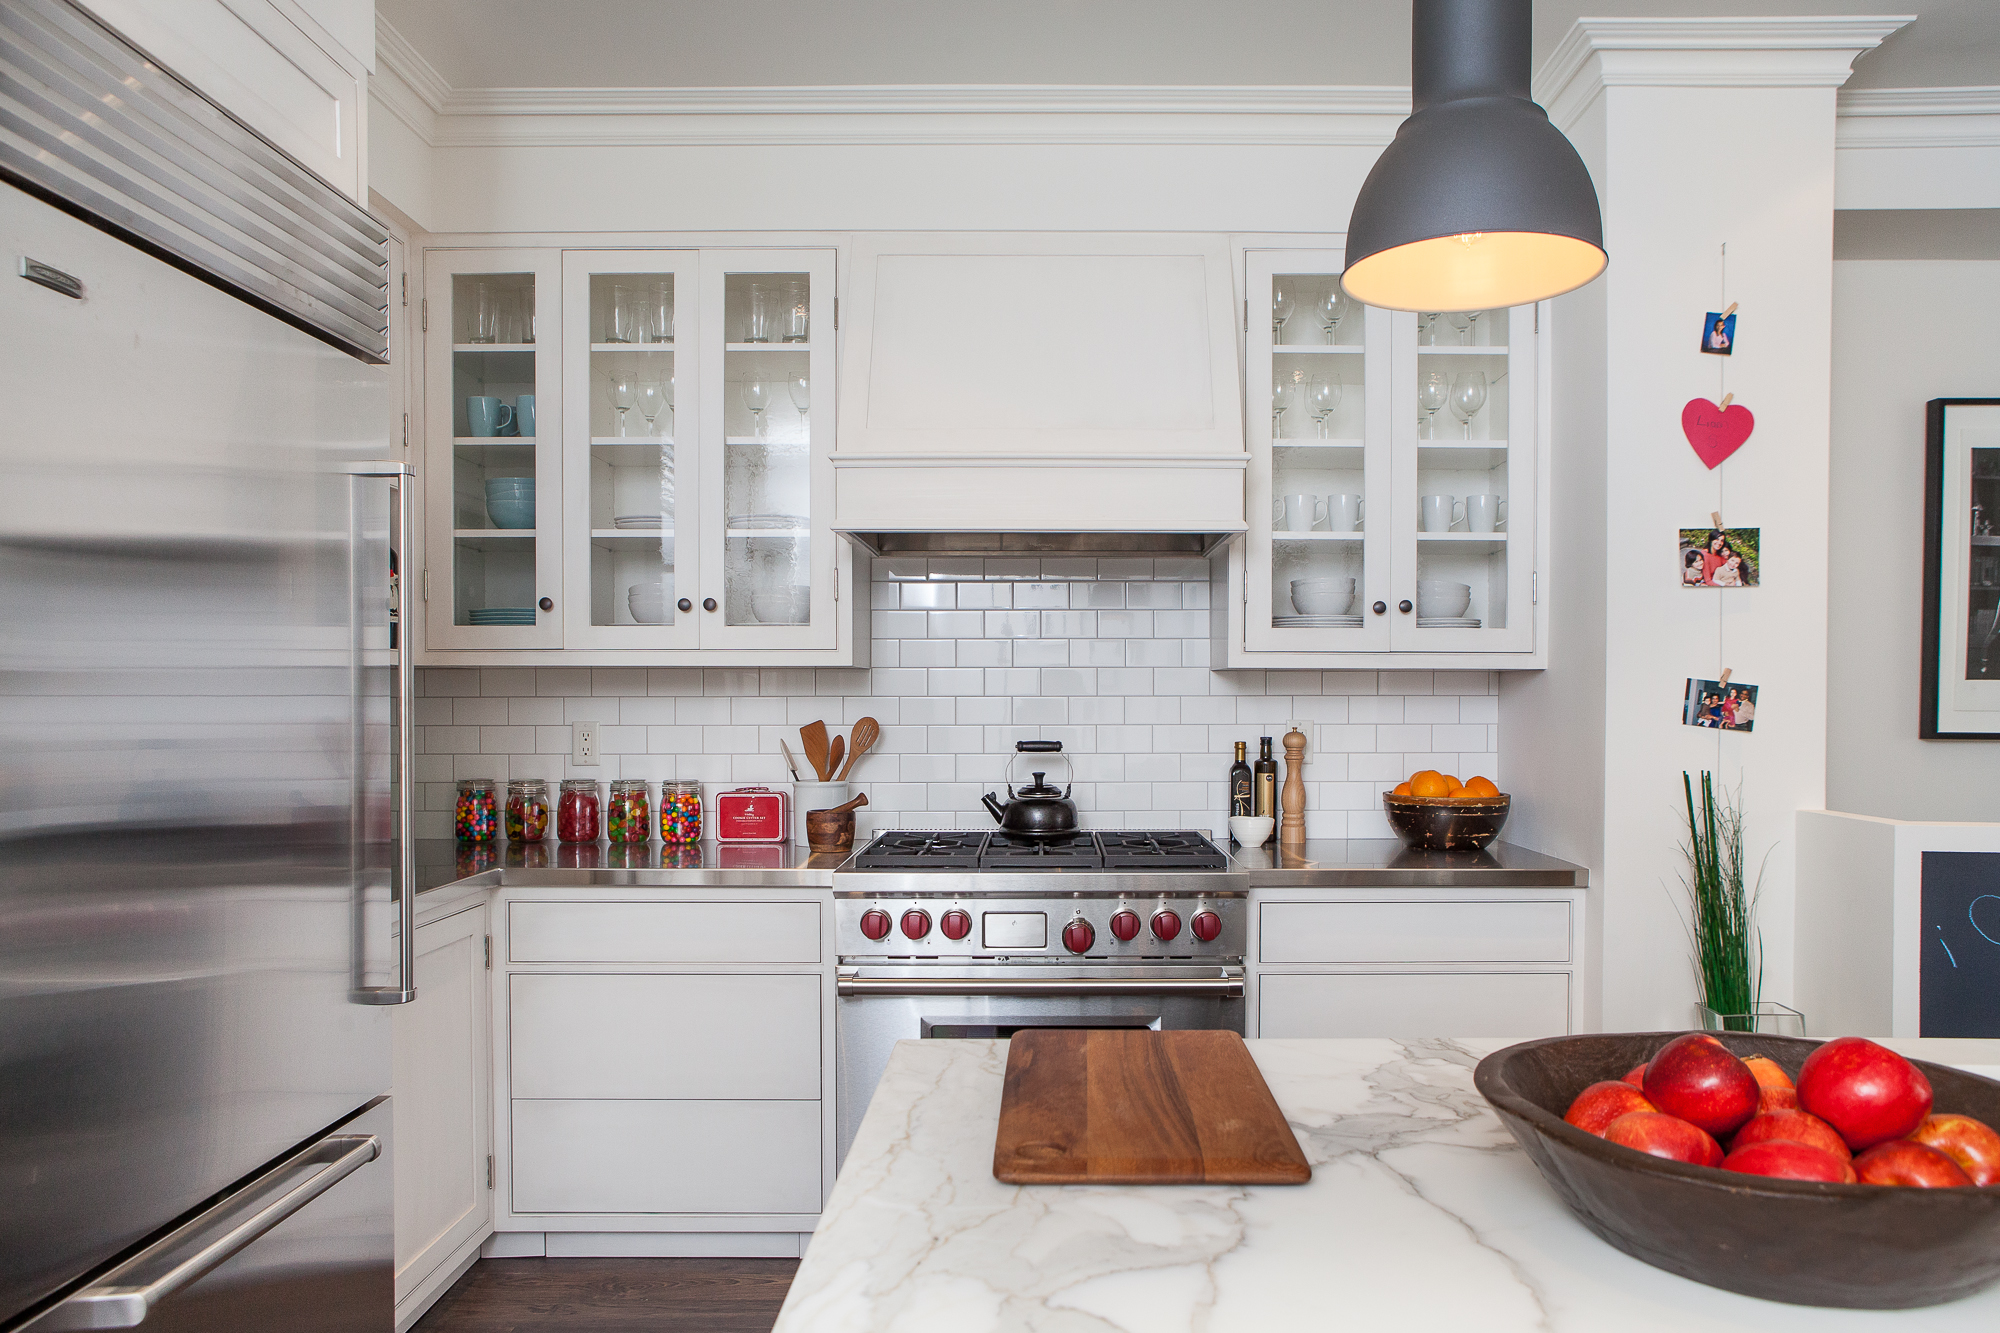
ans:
x=1719 y=557
x=1723 y=704
x=1718 y=333
x=1960 y=685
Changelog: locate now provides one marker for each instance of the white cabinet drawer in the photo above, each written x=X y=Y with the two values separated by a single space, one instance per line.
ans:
x=1414 y=932
x=690 y=1036
x=663 y=932
x=666 y=1157
x=1413 y=1004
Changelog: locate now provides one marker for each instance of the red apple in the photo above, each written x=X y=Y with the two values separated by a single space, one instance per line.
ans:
x=1697 y=1078
x=1973 y=1144
x=1601 y=1103
x=1788 y=1160
x=1902 y=1162
x=1774 y=1087
x=1867 y=1092
x=1636 y=1076
x=1665 y=1136
x=1791 y=1127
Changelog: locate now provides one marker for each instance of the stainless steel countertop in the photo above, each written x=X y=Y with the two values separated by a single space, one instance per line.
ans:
x=1325 y=863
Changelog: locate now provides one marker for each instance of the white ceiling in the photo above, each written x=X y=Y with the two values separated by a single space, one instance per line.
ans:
x=783 y=43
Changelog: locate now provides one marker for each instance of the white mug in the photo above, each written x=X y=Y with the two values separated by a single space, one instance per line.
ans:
x=1296 y=512
x=1439 y=512
x=1484 y=513
x=1343 y=513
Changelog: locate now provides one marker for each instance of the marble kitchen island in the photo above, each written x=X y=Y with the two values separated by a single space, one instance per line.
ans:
x=1422 y=1214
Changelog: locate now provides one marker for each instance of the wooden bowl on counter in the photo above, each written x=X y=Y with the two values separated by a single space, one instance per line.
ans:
x=1446 y=823
x=1864 y=1247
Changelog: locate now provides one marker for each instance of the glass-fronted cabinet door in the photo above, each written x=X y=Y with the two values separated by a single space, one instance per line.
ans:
x=493 y=476
x=767 y=413
x=632 y=388
x=1464 y=390
x=1318 y=550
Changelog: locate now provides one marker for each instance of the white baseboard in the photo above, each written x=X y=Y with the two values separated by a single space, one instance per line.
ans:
x=420 y=1298
x=646 y=1244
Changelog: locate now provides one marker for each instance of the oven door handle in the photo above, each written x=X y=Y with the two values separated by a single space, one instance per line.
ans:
x=1228 y=988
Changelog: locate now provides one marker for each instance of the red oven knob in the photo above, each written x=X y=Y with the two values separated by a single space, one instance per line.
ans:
x=955 y=924
x=916 y=923
x=1125 y=925
x=1078 y=936
x=875 y=923
x=1166 y=924
x=1206 y=926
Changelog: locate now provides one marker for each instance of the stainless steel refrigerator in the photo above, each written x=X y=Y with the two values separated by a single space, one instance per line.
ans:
x=200 y=916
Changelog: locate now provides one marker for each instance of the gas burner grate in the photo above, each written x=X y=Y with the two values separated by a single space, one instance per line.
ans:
x=1033 y=854
x=1160 y=850
x=922 y=849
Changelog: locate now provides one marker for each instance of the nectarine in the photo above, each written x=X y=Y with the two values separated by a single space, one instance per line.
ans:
x=1903 y=1162
x=1867 y=1092
x=1665 y=1136
x=1698 y=1079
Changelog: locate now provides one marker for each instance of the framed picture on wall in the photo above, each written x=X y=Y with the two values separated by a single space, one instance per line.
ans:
x=1960 y=696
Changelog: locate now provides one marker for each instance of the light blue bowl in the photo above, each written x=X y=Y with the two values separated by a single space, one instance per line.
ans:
x=511 y=512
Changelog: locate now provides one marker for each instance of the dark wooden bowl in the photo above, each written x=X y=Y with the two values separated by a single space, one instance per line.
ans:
x=1864 y=1247
x=1446 y=823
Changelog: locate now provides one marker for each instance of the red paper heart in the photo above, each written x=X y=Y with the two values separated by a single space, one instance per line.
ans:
x=1715 y=432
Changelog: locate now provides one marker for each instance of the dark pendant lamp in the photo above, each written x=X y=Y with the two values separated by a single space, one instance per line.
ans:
x=1479 y=202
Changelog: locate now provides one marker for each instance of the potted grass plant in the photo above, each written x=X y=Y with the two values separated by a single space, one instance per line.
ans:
x=1728 y=949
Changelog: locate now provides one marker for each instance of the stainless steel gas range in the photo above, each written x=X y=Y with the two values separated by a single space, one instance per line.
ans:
x=949 y=934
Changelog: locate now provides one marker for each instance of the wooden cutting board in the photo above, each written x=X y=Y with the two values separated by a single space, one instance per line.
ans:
x=1136 y=1107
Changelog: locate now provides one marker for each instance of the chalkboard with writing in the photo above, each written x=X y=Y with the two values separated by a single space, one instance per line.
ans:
x=1960 y=971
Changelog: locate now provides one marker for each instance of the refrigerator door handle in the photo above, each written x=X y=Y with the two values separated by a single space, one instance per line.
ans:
x=406 y=677
x=125 y=1296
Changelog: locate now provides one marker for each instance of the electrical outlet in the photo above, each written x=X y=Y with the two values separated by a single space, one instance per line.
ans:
x=1304 y=729
x=583 y=743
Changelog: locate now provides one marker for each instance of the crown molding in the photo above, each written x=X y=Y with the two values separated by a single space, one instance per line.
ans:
x=1728 y=52
x=408 y=86
x=1919 y=118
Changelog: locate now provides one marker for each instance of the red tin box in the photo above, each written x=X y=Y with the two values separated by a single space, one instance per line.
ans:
x=753 y=814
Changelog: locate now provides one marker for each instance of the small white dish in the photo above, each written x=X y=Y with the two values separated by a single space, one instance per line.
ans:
x=1251 y=830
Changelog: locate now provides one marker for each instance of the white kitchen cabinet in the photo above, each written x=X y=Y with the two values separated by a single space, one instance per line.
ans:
x=443 y=1112
x=623 y=1157
x=1354 y=417
x=683 y=477
x=642 y=932
x=1414 y=1004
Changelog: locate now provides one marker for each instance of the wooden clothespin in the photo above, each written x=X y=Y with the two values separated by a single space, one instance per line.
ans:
x=1732 y=310
x=1725 y=676
x=1727 y=399
x=1715 y=519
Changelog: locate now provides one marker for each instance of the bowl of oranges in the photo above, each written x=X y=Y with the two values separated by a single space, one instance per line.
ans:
x=1435 y=812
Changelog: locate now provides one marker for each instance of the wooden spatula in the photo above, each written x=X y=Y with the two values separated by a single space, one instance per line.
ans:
x=813 y=736
x=866 y=732
x=835 y=755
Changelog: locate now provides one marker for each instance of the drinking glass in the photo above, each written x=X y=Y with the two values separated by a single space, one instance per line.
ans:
x=652 y=397
x=757 y=397
x=1281 y=402
x=624 y=317
x=1426 y=329
x=1433 y=390
x=763 y=314
x=510 y=317
x=1461 y=323
x=1468 y=395
x=1333 y=307
x=1322 y=396
x=528 y=314
x=796 y=315
x=1282 y=305
x=624 y=397
x=485 y=314
x=801 y=391
x=658 y=325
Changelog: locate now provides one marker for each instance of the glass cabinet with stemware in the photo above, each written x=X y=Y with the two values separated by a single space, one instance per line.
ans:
x=676 y=504
x=1392 y=494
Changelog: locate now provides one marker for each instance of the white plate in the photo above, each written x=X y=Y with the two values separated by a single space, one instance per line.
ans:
x=1446 y=624
x=766 y=521
x=636 y=521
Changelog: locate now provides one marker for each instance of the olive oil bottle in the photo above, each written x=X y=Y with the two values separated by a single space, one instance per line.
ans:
x=1265 y=780
x=1242 y=800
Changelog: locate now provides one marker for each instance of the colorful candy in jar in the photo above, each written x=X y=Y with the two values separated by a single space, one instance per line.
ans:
x=527 y=810
x=478 y=811
x=680 y=812
x=628 y=815
x=577 y=811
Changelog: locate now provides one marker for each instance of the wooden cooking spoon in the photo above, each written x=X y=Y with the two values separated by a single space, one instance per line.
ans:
x=835 y=755
x=866 y=732
x=813 y=736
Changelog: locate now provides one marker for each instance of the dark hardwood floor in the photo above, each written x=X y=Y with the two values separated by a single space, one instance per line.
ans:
x=614 y=1296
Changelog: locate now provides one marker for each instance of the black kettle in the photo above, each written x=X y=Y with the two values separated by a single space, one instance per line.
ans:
x=1038 y=810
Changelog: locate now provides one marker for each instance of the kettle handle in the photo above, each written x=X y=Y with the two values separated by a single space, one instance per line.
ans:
x=1037 y=747
x=1026 y=747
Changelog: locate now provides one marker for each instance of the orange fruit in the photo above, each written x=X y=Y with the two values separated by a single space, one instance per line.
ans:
x=1457 y=791
x=1430 y=782
x=1452 y=780
x=1479 y=786
x=1402 y=789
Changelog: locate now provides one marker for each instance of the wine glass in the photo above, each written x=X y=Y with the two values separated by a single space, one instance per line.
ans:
x=1472 y=322
x=1468 y=395
x=1281 y=402
x=667 y=389
x=652 y=397
x=1433 y=390
x=801 y=391
x=624 y=316
x=757 y=397
x=1427 y=328
x=1461 y=324
x=1333 y=307
x=1322 y=396
x=624 y=397
x=1282 y=305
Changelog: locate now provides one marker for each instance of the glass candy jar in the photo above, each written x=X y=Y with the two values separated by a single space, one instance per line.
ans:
x=478 y=810
x=680 y=812
x=527 y=810
x=628 y=814
x=577 y=810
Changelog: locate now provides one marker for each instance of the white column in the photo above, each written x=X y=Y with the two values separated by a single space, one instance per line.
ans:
x=1702 y=134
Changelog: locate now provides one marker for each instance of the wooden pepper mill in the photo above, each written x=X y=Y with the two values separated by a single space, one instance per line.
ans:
x=1292 y=801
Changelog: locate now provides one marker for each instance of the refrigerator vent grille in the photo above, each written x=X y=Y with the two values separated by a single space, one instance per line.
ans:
x=88 y=121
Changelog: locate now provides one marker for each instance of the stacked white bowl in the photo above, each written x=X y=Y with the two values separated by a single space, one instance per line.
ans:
x=648 y=603
x=786 y=606
x=1442 y=600
x=1322 y=597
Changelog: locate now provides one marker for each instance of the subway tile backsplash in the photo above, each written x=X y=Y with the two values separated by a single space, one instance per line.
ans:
x=1109 y=656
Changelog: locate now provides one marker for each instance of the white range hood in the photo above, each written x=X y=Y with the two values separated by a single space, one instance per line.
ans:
x=1040 y=392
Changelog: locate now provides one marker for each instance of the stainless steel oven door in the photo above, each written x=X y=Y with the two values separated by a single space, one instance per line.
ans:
x=878 y=1007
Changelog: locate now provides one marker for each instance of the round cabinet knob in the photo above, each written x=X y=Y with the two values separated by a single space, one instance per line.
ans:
x=1166 y=924
x=1404 y=606
x=916 y=923
x=1125 y=925
x=1381 y=608
x=875 y=923
x=708 y=603
x=548 y=603
x=1206 y=926
x=955 y=924
x=685 y=605
x=1078 y=936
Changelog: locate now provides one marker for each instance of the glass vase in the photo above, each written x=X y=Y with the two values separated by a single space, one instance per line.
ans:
x=1769 y=1016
